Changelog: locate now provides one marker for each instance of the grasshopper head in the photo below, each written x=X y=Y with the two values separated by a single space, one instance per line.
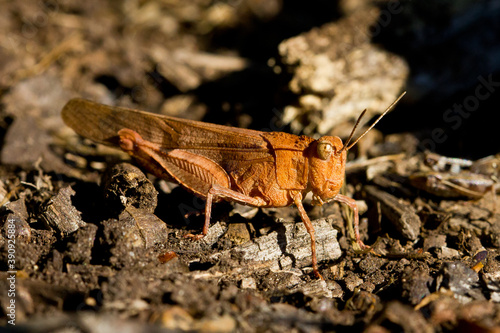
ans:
x=327 y=163
x=327 y=167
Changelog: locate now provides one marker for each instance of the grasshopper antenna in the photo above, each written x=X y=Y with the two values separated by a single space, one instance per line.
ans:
x=352 y=132
x=346 y=145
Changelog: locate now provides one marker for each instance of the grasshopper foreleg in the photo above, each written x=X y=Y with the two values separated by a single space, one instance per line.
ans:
x=352 y=204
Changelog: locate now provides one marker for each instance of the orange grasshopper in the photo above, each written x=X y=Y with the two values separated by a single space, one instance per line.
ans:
x=215 y=162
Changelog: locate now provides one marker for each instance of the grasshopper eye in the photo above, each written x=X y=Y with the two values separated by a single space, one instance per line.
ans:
x=324 y=150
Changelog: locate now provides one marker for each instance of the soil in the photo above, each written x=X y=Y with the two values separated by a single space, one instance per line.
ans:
x=90 y=242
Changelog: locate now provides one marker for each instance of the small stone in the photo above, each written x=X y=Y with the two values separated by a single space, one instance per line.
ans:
x=248 y=283
x=237 y=233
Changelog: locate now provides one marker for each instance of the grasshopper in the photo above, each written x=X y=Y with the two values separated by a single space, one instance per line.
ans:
x=215 y=162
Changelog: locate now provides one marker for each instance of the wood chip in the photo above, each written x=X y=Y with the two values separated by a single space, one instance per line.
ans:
x=401 y=214
x=60 y=214
x=292 y=246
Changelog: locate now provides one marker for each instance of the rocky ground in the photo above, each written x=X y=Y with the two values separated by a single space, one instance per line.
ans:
x=92 y=243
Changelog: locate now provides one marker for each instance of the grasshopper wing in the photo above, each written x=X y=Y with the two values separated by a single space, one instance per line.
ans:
x=226 y=146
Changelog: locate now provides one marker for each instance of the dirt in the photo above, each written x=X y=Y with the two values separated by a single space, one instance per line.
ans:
x=92 y=243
